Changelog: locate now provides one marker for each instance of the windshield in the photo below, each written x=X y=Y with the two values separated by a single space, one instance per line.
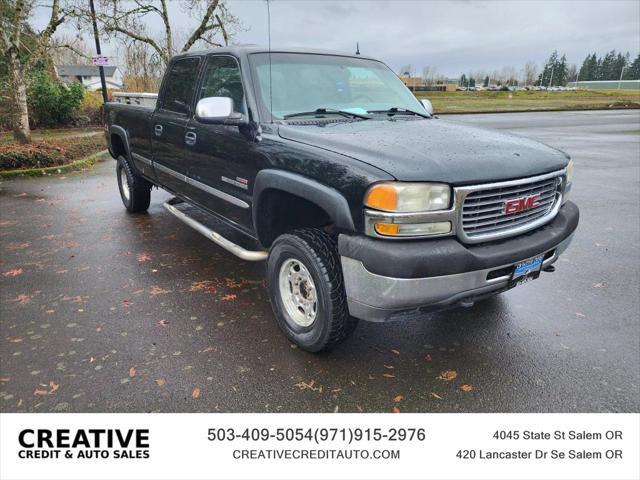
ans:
x=308 y=82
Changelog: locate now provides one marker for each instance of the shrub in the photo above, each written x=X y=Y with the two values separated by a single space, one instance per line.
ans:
x=53 y=102
x=50 y=153
x=91 y=107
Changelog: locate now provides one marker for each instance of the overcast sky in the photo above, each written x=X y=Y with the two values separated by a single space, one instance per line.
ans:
x=455 y=36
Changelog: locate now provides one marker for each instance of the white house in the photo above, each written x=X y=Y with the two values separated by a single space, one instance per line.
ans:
x=89 y=76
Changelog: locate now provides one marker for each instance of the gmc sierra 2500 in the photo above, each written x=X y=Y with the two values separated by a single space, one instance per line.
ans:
x=363 y=203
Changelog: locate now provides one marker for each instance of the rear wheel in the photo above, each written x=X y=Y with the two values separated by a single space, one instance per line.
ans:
x=135 y=191
x=306 y=289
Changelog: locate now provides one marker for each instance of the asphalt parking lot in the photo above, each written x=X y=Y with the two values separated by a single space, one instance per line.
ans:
x=105 y=311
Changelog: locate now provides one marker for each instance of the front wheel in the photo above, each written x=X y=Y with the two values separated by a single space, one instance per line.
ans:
x=306 y=290
x=135 y=191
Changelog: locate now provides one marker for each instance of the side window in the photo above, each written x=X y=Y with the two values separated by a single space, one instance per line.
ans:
x=180 y=85
x=222 y=79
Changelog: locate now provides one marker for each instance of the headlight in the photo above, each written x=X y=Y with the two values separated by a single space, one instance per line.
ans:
x=408 y=197
x=568 y=182
x=397 y=209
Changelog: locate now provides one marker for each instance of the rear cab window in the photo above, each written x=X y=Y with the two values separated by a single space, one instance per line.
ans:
x=181 y=80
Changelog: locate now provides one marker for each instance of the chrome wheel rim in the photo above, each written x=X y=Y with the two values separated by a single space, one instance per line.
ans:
x=124 y=183
x=298 y=292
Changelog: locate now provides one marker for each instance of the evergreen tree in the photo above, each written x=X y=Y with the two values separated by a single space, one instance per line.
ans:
x=585 y=70
x=560 y=72
x=633 y=71
x=463 y=80
x=486 y=79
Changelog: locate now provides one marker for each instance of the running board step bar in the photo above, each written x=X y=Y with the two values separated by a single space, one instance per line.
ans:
x=237 y=250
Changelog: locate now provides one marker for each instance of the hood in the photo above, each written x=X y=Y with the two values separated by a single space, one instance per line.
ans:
x=431 y=150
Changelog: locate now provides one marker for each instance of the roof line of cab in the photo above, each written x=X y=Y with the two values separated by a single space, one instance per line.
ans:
x=247 y=50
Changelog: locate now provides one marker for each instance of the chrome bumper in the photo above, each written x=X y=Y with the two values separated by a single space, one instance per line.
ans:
x=378 y=298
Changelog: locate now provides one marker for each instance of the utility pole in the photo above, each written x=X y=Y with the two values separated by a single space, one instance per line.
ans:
x=620 y=79
x=100 y=67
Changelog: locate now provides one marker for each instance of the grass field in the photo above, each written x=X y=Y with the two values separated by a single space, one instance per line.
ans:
x=477 y=102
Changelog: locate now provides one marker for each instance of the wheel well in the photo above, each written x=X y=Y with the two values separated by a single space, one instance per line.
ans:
x=117 y=146
x=279 y=212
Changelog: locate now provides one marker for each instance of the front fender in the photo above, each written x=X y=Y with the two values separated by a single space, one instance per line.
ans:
x=327 y=198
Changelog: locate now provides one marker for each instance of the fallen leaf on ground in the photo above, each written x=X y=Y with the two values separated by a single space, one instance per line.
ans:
x=388 y=375
x=360 y=409
x=427 y=357
x=309 y=386
x=390 y=367
x=447 y=375
x=4 y=379
x=195 y=393
x=39 y=392
x=466 y=388
x=162 y=323
x=580 y=315
x=156 y=290
x=396 y=410
x=53 y=387
x=143 y=257
x=398 y=398
x=231 y=296
x=13 y=273
x=396 y=352
x=211 y=290
x=132 y=372
x=161 y=381
x=22 y=299
x=600 y=285
x=435 y=395
x=126 y=303
x=201 y=285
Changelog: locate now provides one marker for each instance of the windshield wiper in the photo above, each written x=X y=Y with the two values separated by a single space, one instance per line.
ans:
x=327 y=111
x=402 y=111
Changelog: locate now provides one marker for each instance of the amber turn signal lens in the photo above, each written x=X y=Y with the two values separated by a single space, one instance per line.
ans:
x=387 y=228
x=382 y=197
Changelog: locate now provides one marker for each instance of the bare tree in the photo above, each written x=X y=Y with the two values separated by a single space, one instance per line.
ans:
x=128 y=20
x=530 y=73
x=70 y=51
x=143 y=67
x=21 y=58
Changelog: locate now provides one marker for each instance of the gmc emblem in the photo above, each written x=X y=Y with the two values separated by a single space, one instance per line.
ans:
x=520 y=204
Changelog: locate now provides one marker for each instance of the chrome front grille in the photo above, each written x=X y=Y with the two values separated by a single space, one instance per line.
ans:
x=483 y=216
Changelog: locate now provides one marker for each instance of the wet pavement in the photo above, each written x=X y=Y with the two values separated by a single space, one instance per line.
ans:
x=105 y=311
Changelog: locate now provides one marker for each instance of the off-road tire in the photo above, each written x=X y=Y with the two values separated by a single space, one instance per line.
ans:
x=139 y=189
x=318 y=251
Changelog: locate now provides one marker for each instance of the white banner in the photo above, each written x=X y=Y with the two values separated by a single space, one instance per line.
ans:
x=319 y=446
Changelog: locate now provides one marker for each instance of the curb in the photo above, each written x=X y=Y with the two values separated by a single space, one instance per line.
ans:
x=79 y=164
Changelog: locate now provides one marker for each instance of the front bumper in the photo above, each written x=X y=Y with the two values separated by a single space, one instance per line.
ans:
x=384 y=281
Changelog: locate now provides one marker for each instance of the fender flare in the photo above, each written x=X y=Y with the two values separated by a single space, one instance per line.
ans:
x=327 y=198
x=122 y=133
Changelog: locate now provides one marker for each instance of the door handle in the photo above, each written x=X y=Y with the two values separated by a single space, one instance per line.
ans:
x=190 y=138
x=158 y=130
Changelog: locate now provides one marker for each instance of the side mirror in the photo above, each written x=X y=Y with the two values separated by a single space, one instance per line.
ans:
x=427 y=106
x=218 y=110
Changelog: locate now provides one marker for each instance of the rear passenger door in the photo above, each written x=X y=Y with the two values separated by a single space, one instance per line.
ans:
x=168 y=124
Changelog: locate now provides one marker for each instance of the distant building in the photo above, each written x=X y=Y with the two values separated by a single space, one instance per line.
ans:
x=607 y=84
x=89 y=76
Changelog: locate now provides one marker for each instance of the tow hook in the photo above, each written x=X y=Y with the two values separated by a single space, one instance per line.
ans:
x=550 y=269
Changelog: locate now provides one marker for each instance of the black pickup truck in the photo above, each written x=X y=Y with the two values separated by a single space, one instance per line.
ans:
x=363 y=203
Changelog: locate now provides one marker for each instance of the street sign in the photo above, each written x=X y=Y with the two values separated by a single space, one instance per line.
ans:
x=100 y=60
